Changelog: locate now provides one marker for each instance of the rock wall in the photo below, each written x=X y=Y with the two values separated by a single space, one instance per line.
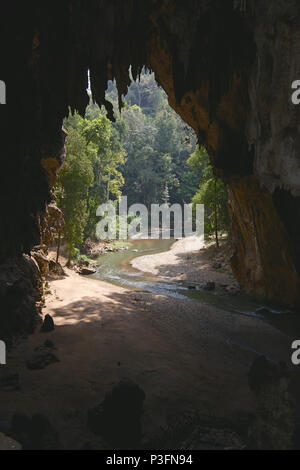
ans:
x=230 y=79
x=227 y=67
x=20 y=294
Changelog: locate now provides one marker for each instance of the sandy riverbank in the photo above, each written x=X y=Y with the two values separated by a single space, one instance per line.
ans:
x=187 y=260
x=189 y=358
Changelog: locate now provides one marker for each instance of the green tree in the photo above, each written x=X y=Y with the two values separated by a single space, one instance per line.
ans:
x=212 y=193
x=102 y=141
x=109 y=158
x=75 y=179
x=149 y=122
x=143 y=153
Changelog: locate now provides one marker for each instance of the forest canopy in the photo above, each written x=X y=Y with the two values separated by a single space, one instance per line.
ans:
x=148 y=154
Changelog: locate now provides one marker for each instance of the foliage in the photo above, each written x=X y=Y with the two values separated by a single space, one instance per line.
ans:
x=90 y=174
x=83 y=259
x=212 y=193
x=158 y=145
x=106 y=153
x=75 y=179
x=147 y=154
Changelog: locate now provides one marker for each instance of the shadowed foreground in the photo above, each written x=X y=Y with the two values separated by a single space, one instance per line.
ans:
x=189 y=359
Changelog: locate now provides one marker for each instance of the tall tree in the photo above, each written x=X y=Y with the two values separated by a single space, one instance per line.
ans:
x=103 y=144
x=212 y=193
x=75 y=179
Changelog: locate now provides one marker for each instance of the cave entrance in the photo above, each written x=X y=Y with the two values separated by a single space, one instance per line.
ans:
x=216 y=60
x=147 y=154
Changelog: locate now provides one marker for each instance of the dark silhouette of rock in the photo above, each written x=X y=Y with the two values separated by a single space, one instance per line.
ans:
x=41 y=358
x=48 y=324
x=20 y=294
x=118 y=418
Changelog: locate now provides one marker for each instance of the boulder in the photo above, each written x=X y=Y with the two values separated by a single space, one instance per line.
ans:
x=86 y=271
x=118 y=418
x=48 y=324
x=56 y=268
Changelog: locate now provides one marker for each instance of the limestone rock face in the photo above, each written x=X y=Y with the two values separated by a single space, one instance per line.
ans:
x=51 y=221
x=237 y=97
x=227 y=67
x=42 y=261
x=20 y=290
x=261 y=240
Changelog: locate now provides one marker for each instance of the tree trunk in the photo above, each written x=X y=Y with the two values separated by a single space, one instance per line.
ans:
x=69 y=260
x=58 y=246
x=215 y=213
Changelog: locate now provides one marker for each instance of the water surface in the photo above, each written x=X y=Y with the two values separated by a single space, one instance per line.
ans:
x=115 y=268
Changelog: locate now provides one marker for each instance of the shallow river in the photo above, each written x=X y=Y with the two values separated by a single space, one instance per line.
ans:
x=115 y=268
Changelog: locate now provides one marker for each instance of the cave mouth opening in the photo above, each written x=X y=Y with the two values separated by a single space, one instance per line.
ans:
x=226 y=67
x=205 y=56
x=144 y=153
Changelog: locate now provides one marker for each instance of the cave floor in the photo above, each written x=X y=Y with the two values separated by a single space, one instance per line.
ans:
x=187 y=357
